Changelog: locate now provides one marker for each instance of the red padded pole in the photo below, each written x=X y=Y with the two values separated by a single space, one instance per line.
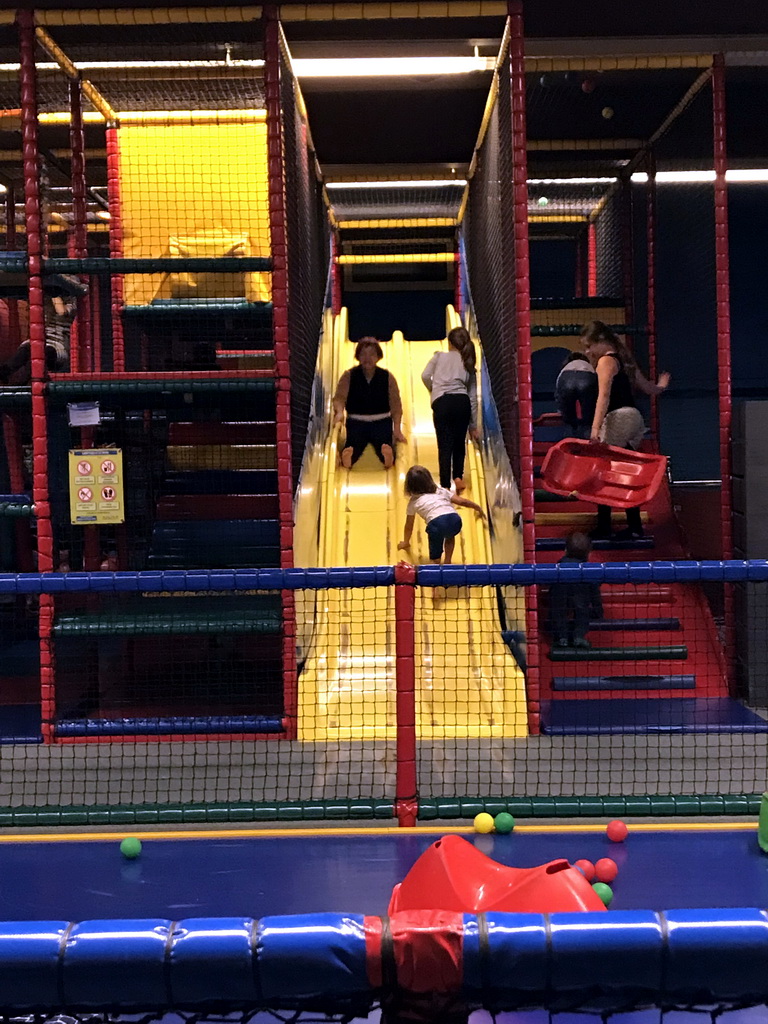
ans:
x=650 y=221
x=115 y=244
x=522 y=297
x=406 y=786
x=14 y=330
x=591 y=260
x=33 y=217
x=279 y=246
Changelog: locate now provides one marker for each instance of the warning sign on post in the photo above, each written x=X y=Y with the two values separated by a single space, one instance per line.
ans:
x=96 y=486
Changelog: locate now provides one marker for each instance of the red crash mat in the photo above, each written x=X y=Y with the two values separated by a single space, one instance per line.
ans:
x=453 y=875
x=603 y=474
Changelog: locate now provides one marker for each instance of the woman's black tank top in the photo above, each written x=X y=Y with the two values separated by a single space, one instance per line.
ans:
x=368 y=397
x=621 y=388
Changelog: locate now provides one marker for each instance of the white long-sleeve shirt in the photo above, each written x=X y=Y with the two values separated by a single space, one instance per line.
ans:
x=445 y=374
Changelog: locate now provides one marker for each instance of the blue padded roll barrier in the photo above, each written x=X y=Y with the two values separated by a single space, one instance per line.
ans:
x=30 y=952
x=117 y=963
x=171 y=725
x=213 y=956
x=600 y=961
x=330 y=949
x=160 y=581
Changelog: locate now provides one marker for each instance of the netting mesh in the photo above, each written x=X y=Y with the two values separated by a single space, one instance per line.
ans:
x=491 y=262
x=308 y=254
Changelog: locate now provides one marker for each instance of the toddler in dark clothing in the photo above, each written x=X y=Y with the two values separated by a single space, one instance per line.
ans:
x=572 y=605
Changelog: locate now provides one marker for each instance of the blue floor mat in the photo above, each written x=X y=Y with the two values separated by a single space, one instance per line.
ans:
x=648 y=715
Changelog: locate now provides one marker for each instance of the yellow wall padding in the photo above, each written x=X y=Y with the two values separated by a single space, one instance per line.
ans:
x=194 y=190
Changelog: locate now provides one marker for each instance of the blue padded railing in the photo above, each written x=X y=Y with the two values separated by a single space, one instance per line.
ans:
x=196 y=580
x=608 y=961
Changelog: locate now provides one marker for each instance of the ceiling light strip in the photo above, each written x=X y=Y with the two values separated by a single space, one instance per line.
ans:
x=396 y=257
x=385 y=223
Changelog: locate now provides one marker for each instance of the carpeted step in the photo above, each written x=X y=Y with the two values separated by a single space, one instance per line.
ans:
x=648 y=715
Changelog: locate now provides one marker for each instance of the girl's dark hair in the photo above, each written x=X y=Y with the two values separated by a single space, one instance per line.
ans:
x=461 y=341
x=574 y=355
x=418 y=480
x=369 y=343
x=596 y=331
x=578 y=545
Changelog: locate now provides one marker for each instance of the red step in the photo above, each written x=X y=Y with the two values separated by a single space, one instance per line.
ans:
x=174 y=507
x=222 y=433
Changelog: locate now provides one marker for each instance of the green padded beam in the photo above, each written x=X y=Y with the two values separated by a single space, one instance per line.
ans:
x=157 y=623
x=75 y=389
x=673 y=652
x=158 y=265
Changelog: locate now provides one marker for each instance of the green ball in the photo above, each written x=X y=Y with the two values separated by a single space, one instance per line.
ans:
x=130 y=847
x=504 y=822
x=605 y=892
x=483 y=823
x=542 y=201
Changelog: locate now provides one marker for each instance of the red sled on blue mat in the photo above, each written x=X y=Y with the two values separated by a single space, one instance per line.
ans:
x=602 y=473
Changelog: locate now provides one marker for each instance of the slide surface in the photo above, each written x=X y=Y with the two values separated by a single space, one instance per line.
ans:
x=468 y=685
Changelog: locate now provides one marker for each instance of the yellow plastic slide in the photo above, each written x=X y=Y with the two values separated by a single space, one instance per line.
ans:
x=468 y=684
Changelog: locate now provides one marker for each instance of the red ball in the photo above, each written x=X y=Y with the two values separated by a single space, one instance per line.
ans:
x=588 y=85
x=587 y=867
x=606 y=869
x=617 y=831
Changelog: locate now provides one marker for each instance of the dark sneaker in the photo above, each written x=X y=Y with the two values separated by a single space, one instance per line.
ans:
x=625 y=535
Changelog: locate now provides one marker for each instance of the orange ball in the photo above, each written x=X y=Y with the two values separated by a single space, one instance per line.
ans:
x=606 y=869
x=617 y=831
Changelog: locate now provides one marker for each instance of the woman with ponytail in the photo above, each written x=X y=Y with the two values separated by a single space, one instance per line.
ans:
x=451 y=377
x=617 y=420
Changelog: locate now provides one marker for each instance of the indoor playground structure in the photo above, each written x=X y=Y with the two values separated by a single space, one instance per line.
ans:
x=206 y=620
x=203 y=612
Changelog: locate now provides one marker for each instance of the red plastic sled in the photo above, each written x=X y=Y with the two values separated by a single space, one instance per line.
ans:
x=453 y=875
x=603 y=474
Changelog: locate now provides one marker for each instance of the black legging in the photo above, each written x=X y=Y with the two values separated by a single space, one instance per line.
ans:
x=451 y=415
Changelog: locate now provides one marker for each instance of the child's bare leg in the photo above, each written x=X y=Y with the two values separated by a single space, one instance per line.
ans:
x=450 y=544
x=346 y=458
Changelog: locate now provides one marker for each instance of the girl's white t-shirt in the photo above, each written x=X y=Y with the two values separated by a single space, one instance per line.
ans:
x=430 y=506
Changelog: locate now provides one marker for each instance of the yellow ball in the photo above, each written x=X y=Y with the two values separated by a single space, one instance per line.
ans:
x=484 y=823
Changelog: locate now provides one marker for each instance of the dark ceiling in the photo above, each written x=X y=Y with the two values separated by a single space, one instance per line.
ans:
x=418 y=122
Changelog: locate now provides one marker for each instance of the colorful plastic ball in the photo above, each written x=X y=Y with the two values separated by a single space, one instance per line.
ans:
x=588 y=85
x=542 y=201
x=504 y=822
x=605 y=892
x=617 y=831
x=587 y=869
x=606 y=869
x=483 y=823
x=130 y=847
x=547 y=80
x=607 y=113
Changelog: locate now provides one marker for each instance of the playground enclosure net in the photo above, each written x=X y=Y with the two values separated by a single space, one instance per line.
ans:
x=408 y=699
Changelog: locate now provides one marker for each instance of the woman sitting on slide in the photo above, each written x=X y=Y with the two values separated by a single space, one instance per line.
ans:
x=617 y=420
x=371 y=399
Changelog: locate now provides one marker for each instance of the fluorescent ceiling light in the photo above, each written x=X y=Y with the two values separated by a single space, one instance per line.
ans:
x=388 y=67
x=427 y=183
x=140 y=65
x=571 y=181
x=753 y=176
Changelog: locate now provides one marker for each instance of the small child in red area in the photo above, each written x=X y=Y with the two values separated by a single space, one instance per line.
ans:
x=435 y=506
